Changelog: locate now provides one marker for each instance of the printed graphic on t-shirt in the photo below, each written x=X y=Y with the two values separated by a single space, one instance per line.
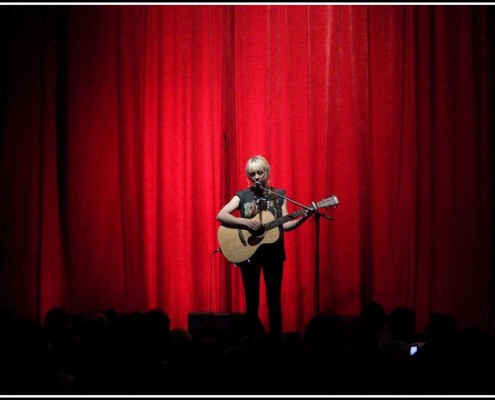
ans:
x=252 y=208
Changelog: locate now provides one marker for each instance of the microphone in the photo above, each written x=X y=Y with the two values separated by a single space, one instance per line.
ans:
x=258 y=185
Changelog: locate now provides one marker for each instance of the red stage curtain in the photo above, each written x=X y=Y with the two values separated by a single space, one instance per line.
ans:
x=126 y=128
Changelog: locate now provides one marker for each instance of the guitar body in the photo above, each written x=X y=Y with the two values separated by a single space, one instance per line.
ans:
x=238 y=245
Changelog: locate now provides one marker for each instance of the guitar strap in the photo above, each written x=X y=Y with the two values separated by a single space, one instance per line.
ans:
x=276 y=202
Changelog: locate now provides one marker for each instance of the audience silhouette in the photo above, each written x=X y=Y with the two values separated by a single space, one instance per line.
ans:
x=112 y=353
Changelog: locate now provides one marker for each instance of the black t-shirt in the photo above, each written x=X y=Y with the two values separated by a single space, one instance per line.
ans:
x=252 y=201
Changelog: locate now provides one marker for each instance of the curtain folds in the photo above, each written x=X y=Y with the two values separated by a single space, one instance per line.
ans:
x=124 y=129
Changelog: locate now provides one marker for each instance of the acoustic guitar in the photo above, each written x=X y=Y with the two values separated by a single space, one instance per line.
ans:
x=237 y=245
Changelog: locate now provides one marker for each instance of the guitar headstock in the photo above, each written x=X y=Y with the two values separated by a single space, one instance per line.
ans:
x=331 y=201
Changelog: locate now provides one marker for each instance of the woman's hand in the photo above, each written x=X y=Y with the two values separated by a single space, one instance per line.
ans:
x=253 y=225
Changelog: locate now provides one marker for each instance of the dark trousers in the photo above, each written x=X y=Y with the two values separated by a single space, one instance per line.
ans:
x=272 y=273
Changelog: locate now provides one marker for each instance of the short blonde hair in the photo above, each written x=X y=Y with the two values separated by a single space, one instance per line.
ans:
x=256 y=163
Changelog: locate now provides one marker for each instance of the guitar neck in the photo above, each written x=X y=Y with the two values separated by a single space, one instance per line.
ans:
x=328 y=202
x=283 y=220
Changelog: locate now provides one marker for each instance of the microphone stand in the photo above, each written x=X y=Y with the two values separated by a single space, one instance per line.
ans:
x=317 y=239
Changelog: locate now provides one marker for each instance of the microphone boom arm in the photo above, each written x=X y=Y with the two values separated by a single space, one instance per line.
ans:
x=315 y=209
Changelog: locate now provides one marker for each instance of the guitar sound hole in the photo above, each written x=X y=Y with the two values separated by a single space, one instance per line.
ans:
x=259 y=232
x=256 y=237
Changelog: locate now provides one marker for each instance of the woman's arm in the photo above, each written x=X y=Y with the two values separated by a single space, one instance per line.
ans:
x=231 y=221
x=293 y=224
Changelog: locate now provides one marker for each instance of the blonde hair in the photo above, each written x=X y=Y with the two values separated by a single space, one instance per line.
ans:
x=258 y=163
